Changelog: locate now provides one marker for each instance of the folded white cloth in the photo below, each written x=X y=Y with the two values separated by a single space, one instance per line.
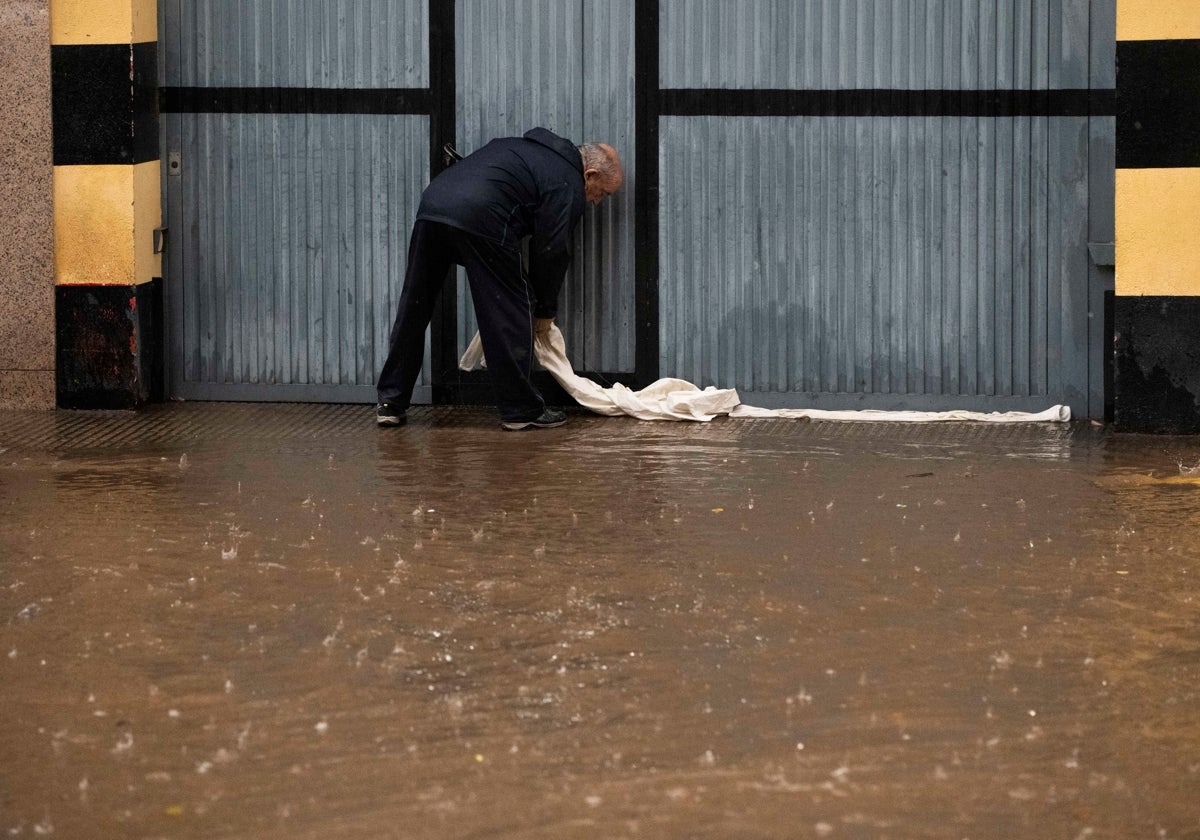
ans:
x=676 y=399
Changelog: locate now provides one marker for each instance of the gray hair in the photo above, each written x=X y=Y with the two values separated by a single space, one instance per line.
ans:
x=595 y=156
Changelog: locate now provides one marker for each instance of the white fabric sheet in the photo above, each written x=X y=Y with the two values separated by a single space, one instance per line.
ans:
x=676 y=399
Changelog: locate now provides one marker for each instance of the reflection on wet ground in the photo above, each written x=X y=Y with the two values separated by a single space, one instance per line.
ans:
x=750 y=629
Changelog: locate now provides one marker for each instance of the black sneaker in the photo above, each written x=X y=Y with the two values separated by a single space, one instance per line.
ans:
x=547 y=420
x=387 y=414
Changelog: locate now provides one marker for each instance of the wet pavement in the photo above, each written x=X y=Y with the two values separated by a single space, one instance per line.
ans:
x=241 y=621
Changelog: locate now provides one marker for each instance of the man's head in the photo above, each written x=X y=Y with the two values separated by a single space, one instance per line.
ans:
x=602 y=170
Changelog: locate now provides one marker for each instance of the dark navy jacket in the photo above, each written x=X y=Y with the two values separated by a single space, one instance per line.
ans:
x=512 y=188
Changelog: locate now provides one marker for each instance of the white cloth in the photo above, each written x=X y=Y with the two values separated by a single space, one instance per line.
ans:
x=1054 y=414
x=676 y=399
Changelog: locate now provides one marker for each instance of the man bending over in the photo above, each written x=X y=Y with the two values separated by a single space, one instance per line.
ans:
x=475 y=214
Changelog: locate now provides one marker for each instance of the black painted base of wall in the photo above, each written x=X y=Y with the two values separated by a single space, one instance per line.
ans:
x=110 y=345
x=1157 y=365
x=461 y=387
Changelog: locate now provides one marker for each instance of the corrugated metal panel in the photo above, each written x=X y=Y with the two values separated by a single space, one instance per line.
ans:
x=295 y=238
x=568 y=67
x=300 y=43
x=289 y=232
x=848 y=44
x=922 y=259
x=600 y=293
x=864 y=255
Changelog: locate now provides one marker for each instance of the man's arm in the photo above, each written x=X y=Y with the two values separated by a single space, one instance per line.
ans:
x=550 y=250
x=546 y=275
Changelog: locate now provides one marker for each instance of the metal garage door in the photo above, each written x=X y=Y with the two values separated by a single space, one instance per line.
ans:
x=887 y=203
x=568 y=67
x=298 y=140
x=292 y=176
x=881 y=203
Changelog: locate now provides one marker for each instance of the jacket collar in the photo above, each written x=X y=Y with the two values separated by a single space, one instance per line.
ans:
x=563 y=148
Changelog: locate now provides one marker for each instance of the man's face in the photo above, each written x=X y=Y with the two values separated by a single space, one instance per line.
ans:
x=597 y=188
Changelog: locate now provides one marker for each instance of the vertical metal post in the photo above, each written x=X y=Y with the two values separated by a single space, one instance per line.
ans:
x=1102 y=77
x=443 y=93
x=646 y=224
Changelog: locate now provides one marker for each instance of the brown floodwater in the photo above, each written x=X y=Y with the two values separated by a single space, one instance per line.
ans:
x=749 y=629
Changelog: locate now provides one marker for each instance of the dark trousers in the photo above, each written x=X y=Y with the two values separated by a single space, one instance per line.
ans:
x=503 y=308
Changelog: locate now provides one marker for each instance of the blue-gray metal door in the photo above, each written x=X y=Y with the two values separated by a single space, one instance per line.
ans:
x=568 y=66
x=293 y=175
x=886 y=203
x=295 y=153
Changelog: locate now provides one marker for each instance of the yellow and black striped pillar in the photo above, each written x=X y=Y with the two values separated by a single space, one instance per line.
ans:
x=1157 y=304
x=107 y=202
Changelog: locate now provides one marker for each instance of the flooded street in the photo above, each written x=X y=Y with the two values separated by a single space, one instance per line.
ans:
x=280 y=622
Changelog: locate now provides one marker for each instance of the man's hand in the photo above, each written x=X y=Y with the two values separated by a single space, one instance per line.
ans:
x=541 y=327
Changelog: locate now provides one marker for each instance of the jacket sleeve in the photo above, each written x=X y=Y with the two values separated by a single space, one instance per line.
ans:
x=550 y=248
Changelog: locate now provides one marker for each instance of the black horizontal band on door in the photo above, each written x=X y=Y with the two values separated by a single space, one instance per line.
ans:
x=883 y=102
x=672 y=102
x=295 y=100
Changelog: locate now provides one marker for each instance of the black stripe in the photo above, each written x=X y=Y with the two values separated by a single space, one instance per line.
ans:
x=290 y=100
x=443 y=349
x=475 y=387
x=647 y=105
x=1155 y=360
x=101 y=115
x=881 y=102
x=145 y=102
x=109 y=347
x=884 y=102
x=442 y=81
x=1158 y=104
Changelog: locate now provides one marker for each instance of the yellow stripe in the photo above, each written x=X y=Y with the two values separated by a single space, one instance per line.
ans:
x=94 y=225
x=1154 y=20
x=145 y=21
x=147 y=215
x=103 y=21
x=104 y=221
x=1158 y=240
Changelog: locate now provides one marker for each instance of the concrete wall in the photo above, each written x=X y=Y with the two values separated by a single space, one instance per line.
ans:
x=26 y=189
